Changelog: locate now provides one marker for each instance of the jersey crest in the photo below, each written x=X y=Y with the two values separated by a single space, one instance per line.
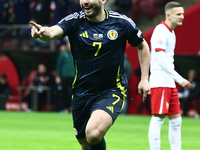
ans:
x=112 y=34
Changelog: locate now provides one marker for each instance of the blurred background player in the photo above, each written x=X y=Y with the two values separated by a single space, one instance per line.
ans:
x=4 y=91
x=65 y=73
x=188 y=95
x=164 y=95
x=127 y=72
x=43 y=78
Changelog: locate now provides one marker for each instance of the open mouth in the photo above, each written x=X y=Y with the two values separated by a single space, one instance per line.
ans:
x=87 y=8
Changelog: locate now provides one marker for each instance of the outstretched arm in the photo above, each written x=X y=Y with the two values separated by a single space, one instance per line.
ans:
x=144 y=58
x=46 y=33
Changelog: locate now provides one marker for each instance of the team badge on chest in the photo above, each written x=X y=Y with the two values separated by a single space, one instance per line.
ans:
x=112 y=34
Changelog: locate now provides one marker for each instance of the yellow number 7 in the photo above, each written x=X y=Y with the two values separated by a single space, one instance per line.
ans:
x=97 y=43
x=118 y=98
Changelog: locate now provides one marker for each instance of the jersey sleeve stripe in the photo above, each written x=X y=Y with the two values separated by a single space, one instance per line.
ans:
x=71 y=16
x=117 y=15
x=119 y=85
x=160 y=49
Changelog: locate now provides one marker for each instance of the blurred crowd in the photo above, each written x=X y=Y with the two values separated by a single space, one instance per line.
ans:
x=138 y=9
x=20 y=12
x=45 y=12
x=49 y=12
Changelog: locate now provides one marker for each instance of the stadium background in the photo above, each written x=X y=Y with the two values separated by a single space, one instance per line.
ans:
x=17 y=63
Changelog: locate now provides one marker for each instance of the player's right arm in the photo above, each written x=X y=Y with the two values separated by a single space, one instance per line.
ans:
x=144 y=59
x=46 y=33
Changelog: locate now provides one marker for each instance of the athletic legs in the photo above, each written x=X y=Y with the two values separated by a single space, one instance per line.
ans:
x=97 y=126
x=175 y=132
x=155 y=132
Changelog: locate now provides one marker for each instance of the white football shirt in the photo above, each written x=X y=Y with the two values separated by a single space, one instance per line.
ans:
x=163 y=42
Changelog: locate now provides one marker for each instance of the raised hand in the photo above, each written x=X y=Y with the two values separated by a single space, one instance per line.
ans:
x=37 y=30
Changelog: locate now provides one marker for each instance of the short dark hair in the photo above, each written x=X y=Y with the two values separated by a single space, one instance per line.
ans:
x=171 y=5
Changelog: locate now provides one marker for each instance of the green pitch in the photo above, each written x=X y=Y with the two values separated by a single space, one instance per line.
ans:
x=53 y=131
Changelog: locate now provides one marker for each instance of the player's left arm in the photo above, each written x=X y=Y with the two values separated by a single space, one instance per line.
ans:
x=144 y=59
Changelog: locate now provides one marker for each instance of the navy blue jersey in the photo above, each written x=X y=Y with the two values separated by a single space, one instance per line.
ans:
x=98 y=50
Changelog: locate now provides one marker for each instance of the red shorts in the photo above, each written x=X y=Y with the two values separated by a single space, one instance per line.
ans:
x=164 y=101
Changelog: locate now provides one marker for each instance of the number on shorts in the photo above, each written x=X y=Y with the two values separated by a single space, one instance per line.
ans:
x=118 y=98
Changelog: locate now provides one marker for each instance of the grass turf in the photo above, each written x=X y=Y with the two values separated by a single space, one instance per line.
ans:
x=54 y=131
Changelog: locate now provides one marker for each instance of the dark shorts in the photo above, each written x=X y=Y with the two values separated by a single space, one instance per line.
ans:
x=111 y=102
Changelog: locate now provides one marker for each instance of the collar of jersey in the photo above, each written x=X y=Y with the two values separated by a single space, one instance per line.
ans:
x=166 y=26
x=107 y=13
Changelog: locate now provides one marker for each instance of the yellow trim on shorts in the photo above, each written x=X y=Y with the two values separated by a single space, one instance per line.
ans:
x=119 y=85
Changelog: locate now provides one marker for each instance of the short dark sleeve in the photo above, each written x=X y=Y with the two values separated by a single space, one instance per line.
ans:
x=134 y=34
x=68 y=23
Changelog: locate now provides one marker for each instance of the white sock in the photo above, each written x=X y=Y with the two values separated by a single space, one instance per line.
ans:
x=175 y=133
x=154 y=132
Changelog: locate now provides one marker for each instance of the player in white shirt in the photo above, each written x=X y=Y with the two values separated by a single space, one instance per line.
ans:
x=164 y=95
